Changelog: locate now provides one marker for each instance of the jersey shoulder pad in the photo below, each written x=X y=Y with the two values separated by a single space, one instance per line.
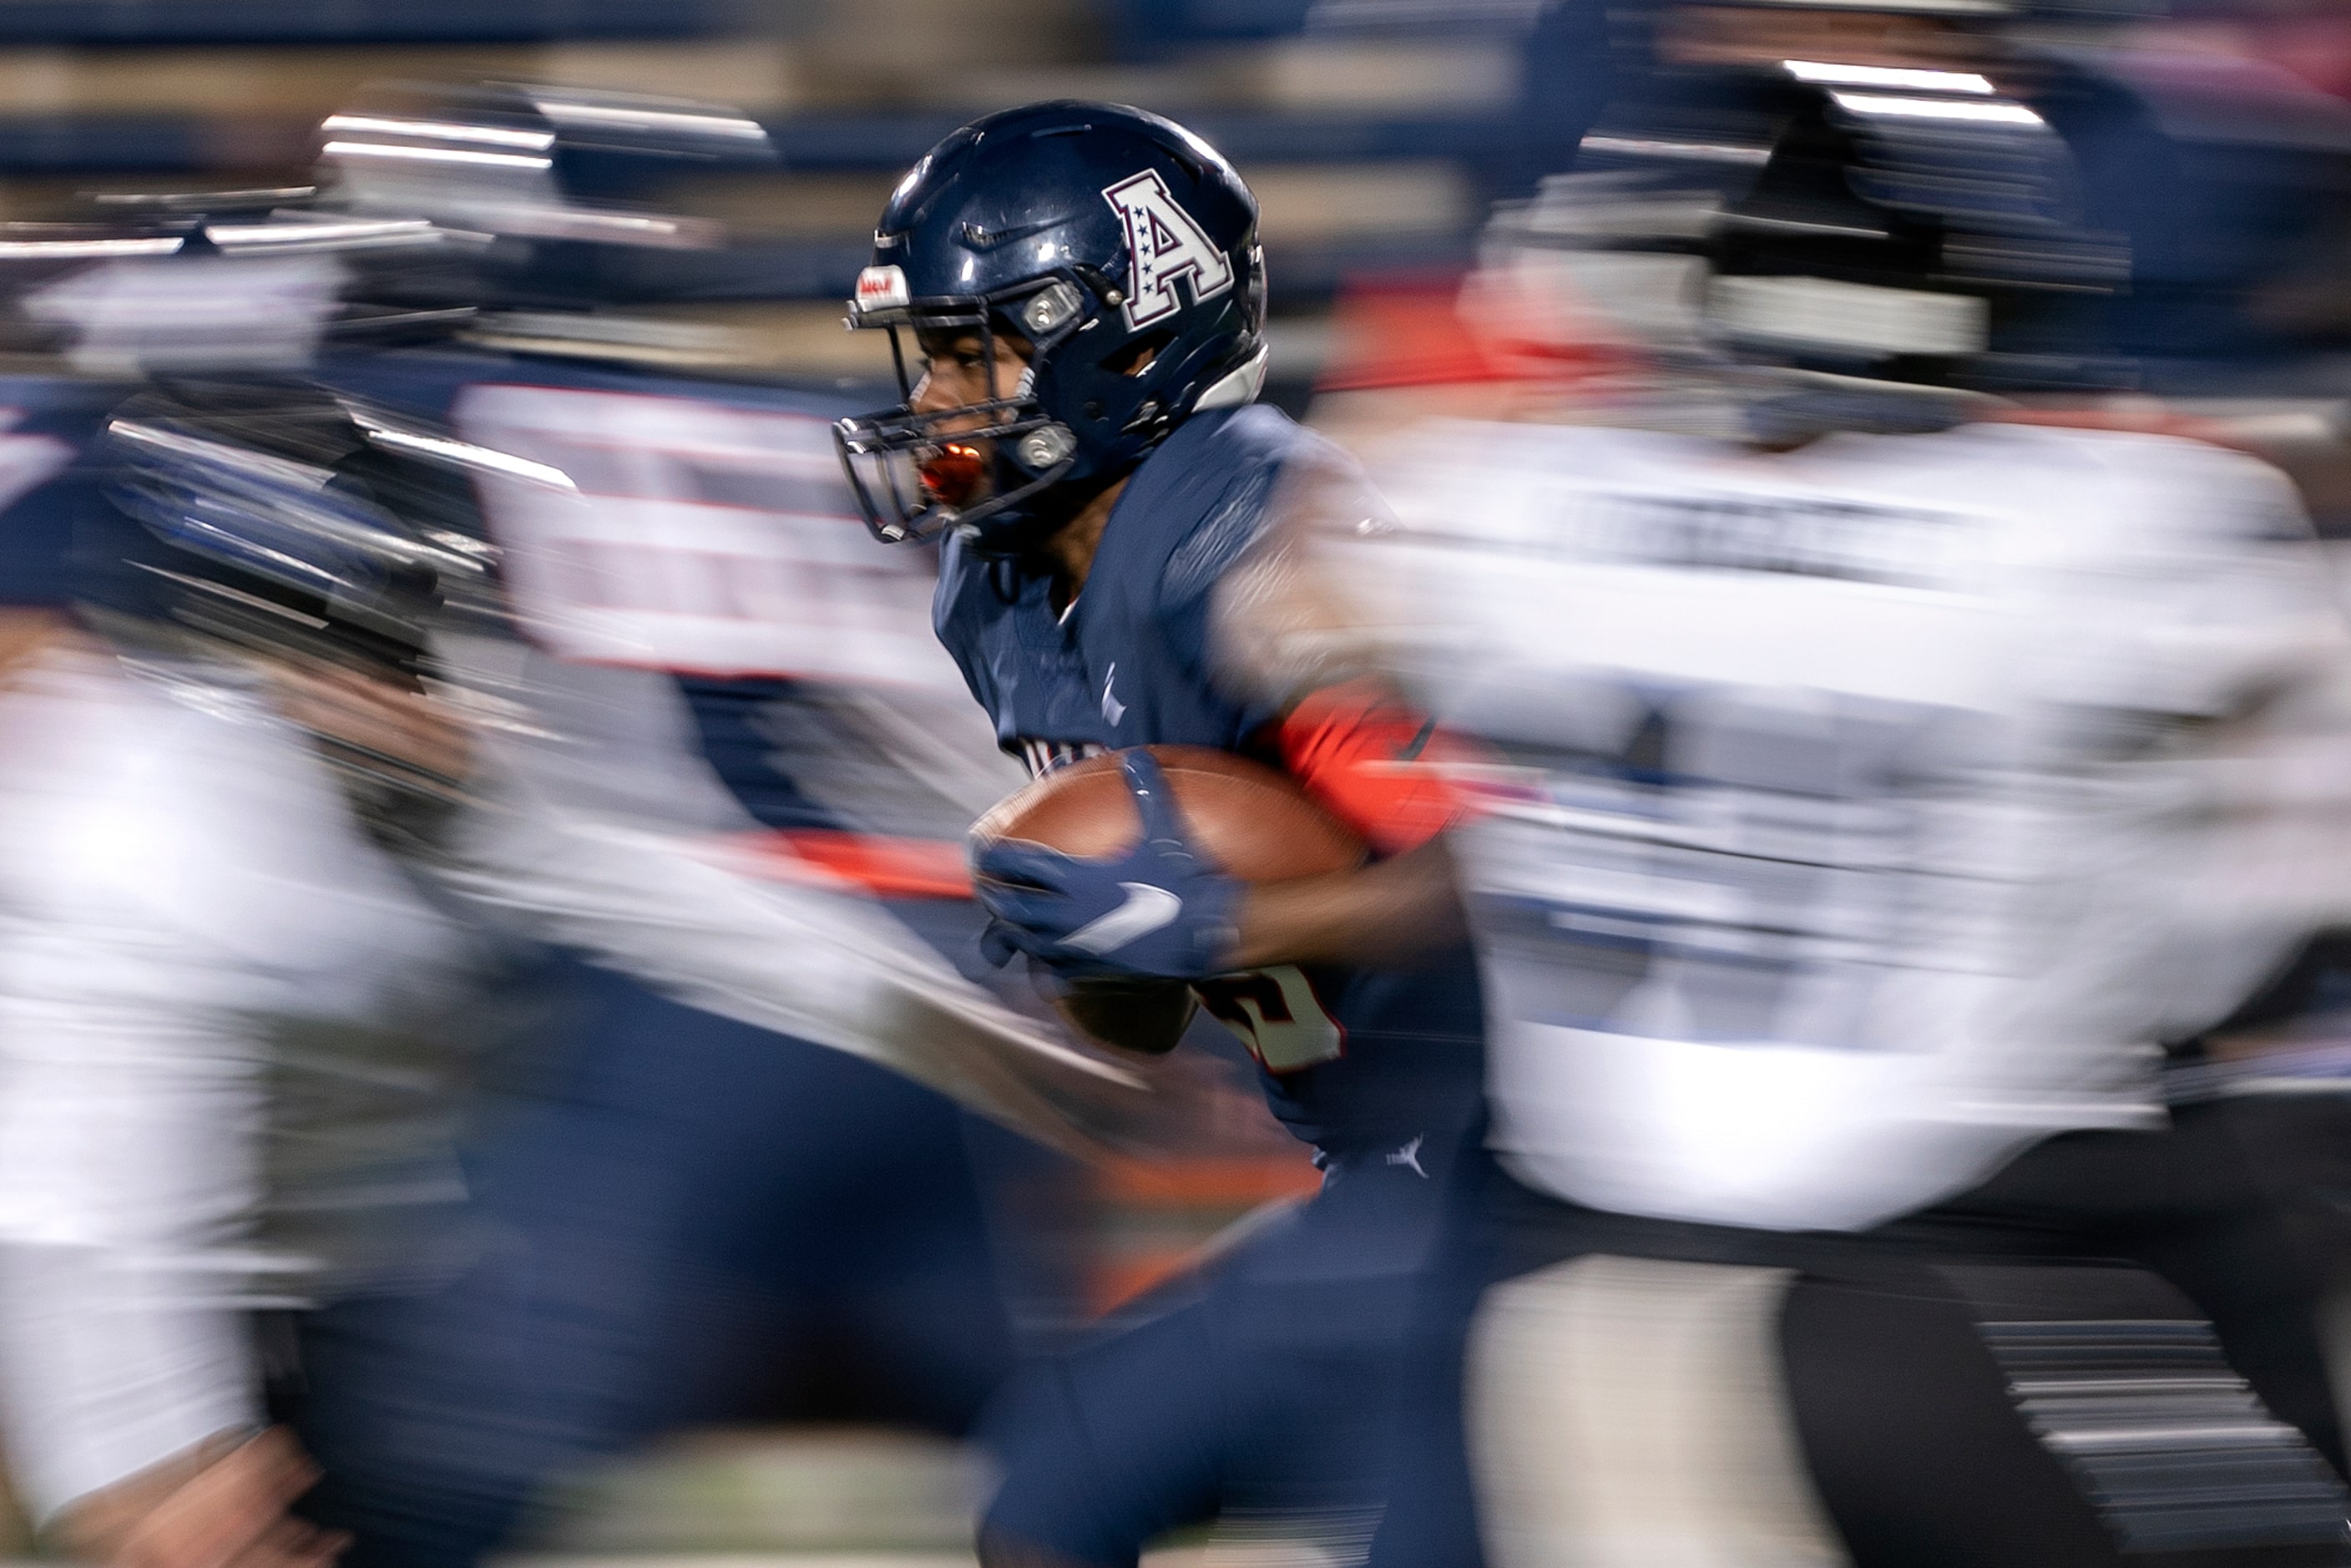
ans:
x=1226 y=497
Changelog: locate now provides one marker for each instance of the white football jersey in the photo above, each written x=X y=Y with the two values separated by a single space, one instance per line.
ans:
x=219 y=1005
x=1857 y=815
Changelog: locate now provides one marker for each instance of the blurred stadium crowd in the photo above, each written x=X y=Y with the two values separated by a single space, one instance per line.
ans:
x=1793 y=546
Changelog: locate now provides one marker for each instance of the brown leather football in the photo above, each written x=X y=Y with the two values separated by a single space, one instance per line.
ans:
x=1250 y=821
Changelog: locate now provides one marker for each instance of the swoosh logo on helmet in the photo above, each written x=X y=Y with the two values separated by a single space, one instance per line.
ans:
x=1147 y=909
x=988 y=239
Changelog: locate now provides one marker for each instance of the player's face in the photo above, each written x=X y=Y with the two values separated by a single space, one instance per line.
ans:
x=960 y=371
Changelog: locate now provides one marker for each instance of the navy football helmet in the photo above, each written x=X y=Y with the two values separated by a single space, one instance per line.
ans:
x=1122 y=248
x=284 y=521
x=1855 y=229
x=273 y=522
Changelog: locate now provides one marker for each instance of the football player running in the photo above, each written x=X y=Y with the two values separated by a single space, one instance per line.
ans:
x=1085 y=294
x=1861 y=829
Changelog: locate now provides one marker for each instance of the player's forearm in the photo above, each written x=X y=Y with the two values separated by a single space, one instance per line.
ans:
x=684 y=917
x=1389 y=912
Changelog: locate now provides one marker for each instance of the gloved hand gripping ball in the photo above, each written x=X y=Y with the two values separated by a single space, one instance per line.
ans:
x=1132 y=865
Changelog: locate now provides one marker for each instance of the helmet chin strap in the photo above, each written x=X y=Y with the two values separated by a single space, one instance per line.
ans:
x=1027 y=520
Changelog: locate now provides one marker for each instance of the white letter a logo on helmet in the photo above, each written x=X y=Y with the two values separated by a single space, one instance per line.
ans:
x=1165 y=244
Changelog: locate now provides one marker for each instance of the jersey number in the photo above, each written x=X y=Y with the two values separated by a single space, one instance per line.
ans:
x=1277 y=1015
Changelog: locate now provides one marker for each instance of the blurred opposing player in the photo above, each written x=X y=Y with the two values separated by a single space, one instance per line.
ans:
x=1084 y=295
x=1865 y=822
x=220 y=823
x=186 y=893
x=701 y=1213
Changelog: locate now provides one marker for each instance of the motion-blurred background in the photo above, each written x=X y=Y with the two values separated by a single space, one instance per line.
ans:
x=1377 y=134
x=1373 y=132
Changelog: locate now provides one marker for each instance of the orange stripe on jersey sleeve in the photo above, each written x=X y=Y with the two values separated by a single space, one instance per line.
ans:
x=1375 y=763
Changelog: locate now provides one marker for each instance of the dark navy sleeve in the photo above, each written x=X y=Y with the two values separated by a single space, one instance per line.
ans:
x=951 y=619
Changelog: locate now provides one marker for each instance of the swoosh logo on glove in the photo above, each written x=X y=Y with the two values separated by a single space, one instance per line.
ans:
x=1147 y=909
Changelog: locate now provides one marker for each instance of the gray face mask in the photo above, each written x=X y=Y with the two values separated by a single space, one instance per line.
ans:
x=322 y=548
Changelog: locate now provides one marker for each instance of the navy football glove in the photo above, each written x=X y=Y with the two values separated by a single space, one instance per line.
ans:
x=1160 y=911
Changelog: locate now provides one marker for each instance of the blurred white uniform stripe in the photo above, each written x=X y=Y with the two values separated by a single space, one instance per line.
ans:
x=1632 y=1412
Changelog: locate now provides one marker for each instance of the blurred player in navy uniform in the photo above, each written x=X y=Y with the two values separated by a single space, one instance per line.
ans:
x=698 y=1211
x=1877 y=785
x=1085 y=295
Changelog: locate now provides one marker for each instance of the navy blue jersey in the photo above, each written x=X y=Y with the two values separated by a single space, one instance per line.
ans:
x=1350 y=1058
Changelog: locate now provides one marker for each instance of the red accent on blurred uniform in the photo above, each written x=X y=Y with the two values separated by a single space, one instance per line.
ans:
x=1409 y=332
x=1374 y=764
x=887 y=867
x=2315 y=47
x=1401 y=333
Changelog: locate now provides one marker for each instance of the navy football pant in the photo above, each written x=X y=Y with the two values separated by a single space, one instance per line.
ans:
x=1259 y=1391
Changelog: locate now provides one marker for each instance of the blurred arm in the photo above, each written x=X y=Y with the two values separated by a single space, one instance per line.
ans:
x=118 y=1356
x=712 y=928
x=1286 y=639
x=1386 y=913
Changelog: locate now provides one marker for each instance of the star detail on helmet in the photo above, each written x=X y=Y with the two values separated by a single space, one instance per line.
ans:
x=1120 y=249
x=1164 y=243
